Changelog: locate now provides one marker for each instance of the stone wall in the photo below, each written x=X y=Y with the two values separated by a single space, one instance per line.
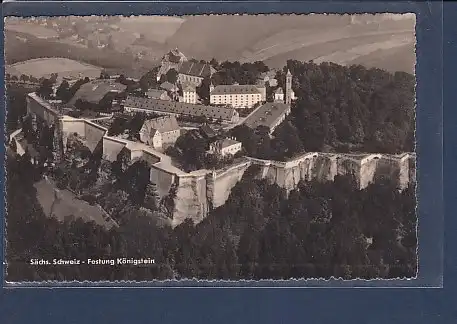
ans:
x=162 y=179
x=220 y=183
x=41 y=108
x=111 y=148
x=191 y=200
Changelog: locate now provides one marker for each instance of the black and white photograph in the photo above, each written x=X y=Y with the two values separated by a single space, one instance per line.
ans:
x=210 y=147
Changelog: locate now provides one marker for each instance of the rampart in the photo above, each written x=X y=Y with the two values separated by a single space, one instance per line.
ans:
x=195 y=193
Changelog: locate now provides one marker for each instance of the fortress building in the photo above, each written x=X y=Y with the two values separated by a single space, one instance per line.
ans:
x=171 y=60
x=237 y=96
x=146 y=105
x=193 y=73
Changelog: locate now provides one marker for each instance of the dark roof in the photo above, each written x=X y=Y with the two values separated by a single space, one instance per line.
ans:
x=226 y=142
x=266 y=115
x=155 y=93
x=180 y=108
x=174 y=56
x=196 y=69
x=168 y=86
x=163 y=124
x=235 y=89
x=96 y=90
x=208 y=131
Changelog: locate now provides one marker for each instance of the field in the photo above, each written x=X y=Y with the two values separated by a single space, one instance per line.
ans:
x=156 y=28
x=32 y=29
x=43 y=67
x=22 y=47
x=275 y=39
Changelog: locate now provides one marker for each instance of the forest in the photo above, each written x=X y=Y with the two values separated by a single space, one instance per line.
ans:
x=319 y=230
x=351 y=109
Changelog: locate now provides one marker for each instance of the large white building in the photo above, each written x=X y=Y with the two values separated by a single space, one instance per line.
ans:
x=236 y=96
x=189 y=95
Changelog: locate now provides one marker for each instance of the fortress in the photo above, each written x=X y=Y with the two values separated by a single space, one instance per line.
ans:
x=195 y=193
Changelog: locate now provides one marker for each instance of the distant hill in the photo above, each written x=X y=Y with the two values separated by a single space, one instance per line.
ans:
x=21 y=47
x=44 y=67
x=275 y=39
x=383 y=40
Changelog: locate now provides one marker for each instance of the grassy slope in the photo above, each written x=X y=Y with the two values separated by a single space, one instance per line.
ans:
x=18 y=51
x=279 y=38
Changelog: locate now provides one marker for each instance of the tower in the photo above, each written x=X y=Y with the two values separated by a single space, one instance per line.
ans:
x=211 y=87
x=288 y=90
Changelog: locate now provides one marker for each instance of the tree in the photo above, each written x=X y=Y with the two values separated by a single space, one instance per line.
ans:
x=45 y=89
x=63 y=91
x=24 y=78
x=151 y=198
x=172 y=76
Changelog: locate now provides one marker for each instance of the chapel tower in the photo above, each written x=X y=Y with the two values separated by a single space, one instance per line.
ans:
x=288 y=88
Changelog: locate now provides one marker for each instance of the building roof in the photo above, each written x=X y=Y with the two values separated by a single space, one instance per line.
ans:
x=235 y=89
x=196 y=69
x=163 y=124
x=180 y=108
x=155 y=93
x=175 y=56
x=208 y=130
x=266 y=115
x=279 y=91
x=168 y=86
x=96 y=90
x=188 y=88
x=226 y=142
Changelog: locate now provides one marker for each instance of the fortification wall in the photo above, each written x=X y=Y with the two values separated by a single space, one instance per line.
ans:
x=190 y=201
x=162 y=179
x=223 y=181
x=111 y=148
x=93 y=134
x=42 y=109
x=325 y=166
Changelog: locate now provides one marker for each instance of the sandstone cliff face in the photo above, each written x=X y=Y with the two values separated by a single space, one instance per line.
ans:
x=222 y=182
x=190 y=200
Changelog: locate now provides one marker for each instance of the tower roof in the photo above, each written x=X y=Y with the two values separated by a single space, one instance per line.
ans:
x=288 y=72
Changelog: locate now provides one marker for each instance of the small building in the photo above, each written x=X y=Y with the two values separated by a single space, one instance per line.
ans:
x=236 y=96
x=169 y=87
x=96 y=90
x=207 y=131
x=194 y=72
x=189 y=94
x=279 y=95
x=268 y=78
x=225 y=147
x=160 y=130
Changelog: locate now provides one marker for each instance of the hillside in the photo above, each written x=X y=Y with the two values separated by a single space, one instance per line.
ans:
x=22 y=47
x=44 y=67
x=275 y=39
